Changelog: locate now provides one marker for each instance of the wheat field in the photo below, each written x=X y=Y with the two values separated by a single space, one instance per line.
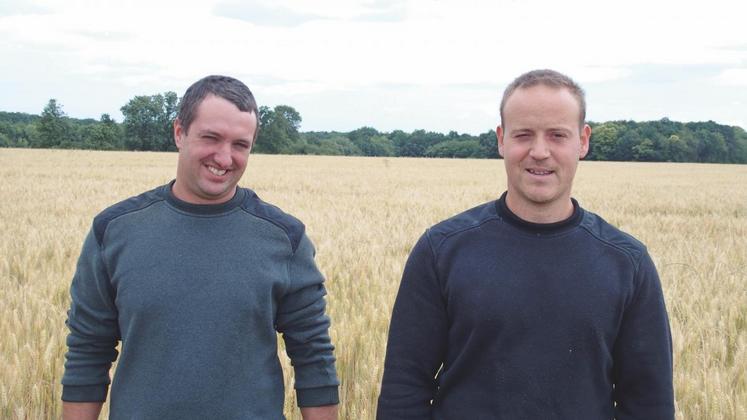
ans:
x=364 y=215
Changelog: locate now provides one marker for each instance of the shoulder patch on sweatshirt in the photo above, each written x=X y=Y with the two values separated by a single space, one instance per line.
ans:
x=461 y=222
x=292 y=227
x=605 y=232
x=138 y=202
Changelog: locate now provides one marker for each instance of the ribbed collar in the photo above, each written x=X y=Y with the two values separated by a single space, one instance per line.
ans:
x=201 y=209
x=539 y=228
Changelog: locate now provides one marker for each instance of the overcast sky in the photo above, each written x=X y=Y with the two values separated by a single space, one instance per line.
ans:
x=438 y=65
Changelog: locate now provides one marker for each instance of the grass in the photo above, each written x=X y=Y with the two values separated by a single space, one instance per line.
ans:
x=364 y=215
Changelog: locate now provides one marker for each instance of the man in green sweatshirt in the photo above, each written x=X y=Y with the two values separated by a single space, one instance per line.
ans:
x=195 y=279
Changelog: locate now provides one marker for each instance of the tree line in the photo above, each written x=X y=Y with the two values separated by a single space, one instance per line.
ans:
x=147 y=126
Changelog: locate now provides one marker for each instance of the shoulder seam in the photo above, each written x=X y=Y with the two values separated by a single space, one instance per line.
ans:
x=124 y=213
x=464 y=229
x=636 y=261
x=289 y=234
x=285 y=230
x=434 y=263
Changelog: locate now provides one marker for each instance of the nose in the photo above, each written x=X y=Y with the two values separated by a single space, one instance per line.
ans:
x=539 y=149
x=222 y=155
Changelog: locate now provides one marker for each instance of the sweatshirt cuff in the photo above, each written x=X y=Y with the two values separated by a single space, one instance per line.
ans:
x=317 y=397
x=84 y=393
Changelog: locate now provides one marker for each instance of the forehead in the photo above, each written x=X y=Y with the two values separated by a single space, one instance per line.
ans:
x=542 y=104
x=216 y=113
x=214 y=105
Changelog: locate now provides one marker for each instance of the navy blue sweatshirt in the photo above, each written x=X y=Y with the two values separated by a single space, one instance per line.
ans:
x=499 y=318
x=197 y=294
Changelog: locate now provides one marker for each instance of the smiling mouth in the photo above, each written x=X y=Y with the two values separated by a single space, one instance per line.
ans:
x=217 y=172
x=541 y=172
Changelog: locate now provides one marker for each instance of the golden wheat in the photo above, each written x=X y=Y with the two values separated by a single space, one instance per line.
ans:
x=364 y=214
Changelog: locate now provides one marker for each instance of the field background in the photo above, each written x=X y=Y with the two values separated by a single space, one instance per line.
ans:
x=364 y=215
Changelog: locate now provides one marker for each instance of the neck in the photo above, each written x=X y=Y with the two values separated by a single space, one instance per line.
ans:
x=540 y=213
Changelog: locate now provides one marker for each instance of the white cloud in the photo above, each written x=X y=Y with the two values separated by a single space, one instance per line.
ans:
x=308 y=48
x=732 y=77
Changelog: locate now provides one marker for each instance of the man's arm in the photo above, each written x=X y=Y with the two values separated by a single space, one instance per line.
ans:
x=643 y=352
x=302 y=320
x=327 y=412
x=94 y=330
x=81 y=411
x=417 y=340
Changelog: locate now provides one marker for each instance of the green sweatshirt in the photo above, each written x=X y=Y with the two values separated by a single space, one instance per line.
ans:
x=197 y=294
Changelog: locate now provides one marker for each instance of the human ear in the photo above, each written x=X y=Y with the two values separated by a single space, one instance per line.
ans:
x=499 y=137
x=585 y=137
x=178 y=133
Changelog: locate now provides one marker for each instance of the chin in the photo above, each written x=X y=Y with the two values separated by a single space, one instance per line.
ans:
x=214 y=193
x=541 y=197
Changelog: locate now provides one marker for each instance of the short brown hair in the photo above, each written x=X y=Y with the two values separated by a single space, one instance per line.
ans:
x=225 y=87
x=549 y=78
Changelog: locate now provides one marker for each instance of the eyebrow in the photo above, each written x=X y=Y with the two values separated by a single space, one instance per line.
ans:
x=212 y=133
x=531 y=130
x=563 y=129
x=521 y=130
x=209 y=133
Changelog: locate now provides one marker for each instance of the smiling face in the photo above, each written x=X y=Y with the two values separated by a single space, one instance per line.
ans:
x=213 y=151
x=541 y=142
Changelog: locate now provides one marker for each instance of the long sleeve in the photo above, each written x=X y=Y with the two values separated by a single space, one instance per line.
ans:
x=643 y=352
x=417 y=340
x=302 y=320
x=94 y=331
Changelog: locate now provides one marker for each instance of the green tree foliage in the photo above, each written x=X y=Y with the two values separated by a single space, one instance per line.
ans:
x=322 y=144
x=148 y=122
x=53 y=127
x=738 y=151
x=15 y=118
x=668 y=141
x=603 y=139
x=104 y=135
x=278 y=131
x=379 y=146
x=456 y=149
x=645 y=151
x=676 y=149
x=371 y=143
x=17 y=129
x=489 y=144
x=148 y=126
x=711 y=146
x=362 y=134
x=418 y=142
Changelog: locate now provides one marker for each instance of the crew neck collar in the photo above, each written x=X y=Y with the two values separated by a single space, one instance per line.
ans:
x=166 y=191
x=539 y=228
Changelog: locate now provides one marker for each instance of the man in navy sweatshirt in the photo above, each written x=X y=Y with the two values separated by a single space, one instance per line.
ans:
x=195 y=279
x=530 y=307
